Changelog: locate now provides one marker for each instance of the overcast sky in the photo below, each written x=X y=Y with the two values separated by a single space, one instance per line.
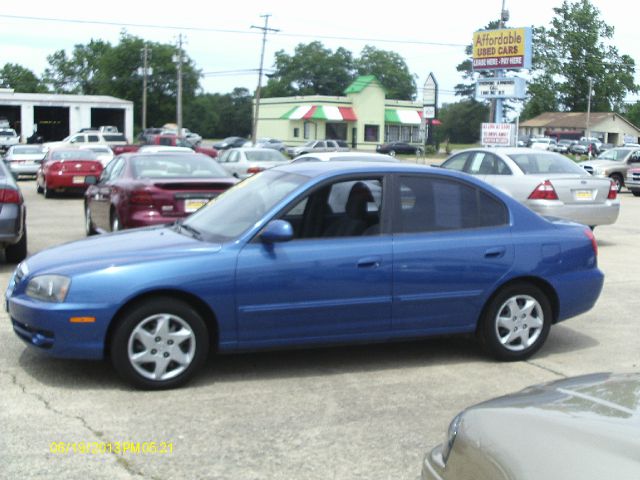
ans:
x=429 y=35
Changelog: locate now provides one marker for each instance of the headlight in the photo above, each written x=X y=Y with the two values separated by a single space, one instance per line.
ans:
x=48 y=288
x=451 y=437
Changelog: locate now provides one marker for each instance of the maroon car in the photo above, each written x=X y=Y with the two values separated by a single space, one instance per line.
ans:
x=142 y=189
x=68 y=170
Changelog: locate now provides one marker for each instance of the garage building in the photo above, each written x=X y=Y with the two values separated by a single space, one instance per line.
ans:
x=55 y=116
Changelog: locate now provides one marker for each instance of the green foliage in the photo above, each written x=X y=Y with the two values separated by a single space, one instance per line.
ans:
x=312 y=70
x=461 y=122
x=390 y=70
x=574 y=48
x=316 y=70
x=632 y=113
x=221 y=115
x=21 y=79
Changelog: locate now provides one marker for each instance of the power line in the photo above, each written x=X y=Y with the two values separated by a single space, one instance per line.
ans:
x=222 y=30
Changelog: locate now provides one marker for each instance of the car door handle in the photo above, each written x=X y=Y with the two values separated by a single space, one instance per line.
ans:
x=496 y=252
x=369 y=262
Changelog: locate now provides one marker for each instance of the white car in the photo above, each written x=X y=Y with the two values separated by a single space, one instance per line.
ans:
x=24 y=159
x=546 y=182
x=543 y=143
x=103 y=152
x=8 y=138
x=244 y=162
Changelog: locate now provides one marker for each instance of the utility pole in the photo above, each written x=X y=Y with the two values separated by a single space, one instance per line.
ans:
x=179 y=59
x=265 y=30
x=496 y=105
x=588 y=129
x=145 y=72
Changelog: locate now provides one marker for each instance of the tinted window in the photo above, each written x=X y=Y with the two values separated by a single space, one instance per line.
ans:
x=543 y=162
x=93 y=138
x=430 y=204
x=264 y=156
x=115 y=138
x=457 y=162
x=487 y=164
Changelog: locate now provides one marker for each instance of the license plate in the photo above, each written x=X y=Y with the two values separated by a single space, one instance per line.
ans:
x=193 y=204
x=77 y=179
x=583 y=194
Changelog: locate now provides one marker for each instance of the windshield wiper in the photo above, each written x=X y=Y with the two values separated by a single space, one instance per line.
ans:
x=193 y=231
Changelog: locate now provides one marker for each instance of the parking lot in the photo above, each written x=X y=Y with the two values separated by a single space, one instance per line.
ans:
x=332 y=413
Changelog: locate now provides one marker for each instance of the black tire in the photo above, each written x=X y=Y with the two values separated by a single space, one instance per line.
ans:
x=496 y=325
x=619 y=181
x=115 y=222
x=636 y=193
x=39 y=189
x=392 y=153
x=89 y=229
x=48 y=193
x=18 y=251
x=164 y=354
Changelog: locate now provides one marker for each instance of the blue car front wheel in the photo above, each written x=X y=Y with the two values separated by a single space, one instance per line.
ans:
x=159 y=344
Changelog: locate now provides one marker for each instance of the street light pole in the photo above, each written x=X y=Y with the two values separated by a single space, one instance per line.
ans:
x=588 y=129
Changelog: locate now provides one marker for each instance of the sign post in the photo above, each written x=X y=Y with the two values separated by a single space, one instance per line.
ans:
x=429 y=107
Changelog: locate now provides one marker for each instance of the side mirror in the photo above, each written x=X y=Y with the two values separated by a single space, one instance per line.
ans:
x=277 y=231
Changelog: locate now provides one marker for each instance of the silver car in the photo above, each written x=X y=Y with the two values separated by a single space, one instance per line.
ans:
x=244 y=162
x=24 y=159
x=546 y=182
x=578 y=428
x=614 y=164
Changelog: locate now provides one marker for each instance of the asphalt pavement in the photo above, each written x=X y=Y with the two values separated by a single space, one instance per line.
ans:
x=333 y=413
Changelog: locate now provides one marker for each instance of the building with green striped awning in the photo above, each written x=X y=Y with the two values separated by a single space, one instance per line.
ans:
x=363 y=117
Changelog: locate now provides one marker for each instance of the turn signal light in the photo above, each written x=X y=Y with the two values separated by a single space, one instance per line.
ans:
x=544 y=191
x=594 y=243
x=140 y=197
x=613 y=192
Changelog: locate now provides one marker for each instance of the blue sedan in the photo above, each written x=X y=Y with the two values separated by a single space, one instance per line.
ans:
x=306 y=254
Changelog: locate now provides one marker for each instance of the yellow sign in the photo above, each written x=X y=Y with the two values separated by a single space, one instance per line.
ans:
x=507 y=48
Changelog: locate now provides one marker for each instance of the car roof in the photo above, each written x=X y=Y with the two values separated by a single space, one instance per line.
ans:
x=333 y=156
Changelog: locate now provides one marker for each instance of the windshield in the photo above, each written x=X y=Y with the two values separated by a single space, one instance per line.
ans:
x=28 y=150
x=176 y=166
x=241 y=207
x=543 y=162
x=73 y=155
x=265 y=156
x=616 y=154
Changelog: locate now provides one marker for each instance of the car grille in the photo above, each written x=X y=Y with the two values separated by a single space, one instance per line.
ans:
x=588 y=169
x=635 y=176
x=39 y=338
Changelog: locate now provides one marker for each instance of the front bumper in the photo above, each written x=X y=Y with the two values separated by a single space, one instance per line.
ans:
x=433 y=465
x=47 y=327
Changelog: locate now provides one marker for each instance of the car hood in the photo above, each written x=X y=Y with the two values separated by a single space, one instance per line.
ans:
x=583 y=427
x=116 y=250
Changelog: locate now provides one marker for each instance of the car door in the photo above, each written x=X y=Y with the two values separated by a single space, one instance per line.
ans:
x=100 y=195
x=451 y=247
x=327 y=284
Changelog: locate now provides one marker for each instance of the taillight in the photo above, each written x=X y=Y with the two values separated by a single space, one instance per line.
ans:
x=55 y=166
x=141 y=197
x=252 y=170
x=8 y=195
x=544 y=191
x=613 y=191
x=592 y=237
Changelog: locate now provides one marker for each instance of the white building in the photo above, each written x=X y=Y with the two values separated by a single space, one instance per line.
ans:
x=56 y=116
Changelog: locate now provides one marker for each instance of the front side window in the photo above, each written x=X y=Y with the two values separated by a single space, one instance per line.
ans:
x=342 y=209
x=432 y=204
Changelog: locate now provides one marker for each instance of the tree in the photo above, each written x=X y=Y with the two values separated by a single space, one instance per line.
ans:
x=100 y=68
x=311 y=70
x=570 y=52
x=221 y=115
x=632 y=113
x=461 y=121
x=20 y=79
x=390 y=70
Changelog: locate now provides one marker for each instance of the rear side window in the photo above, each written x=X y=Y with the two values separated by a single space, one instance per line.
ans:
x=431 y=204
x=532 y=163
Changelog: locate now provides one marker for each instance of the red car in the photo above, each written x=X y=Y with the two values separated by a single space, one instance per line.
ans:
x=67 y=169
x=142 y=189
x=168 y=141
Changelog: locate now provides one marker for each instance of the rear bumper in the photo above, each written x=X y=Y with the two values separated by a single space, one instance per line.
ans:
x=68 y=182
x=588 y=214
x=11 y=223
